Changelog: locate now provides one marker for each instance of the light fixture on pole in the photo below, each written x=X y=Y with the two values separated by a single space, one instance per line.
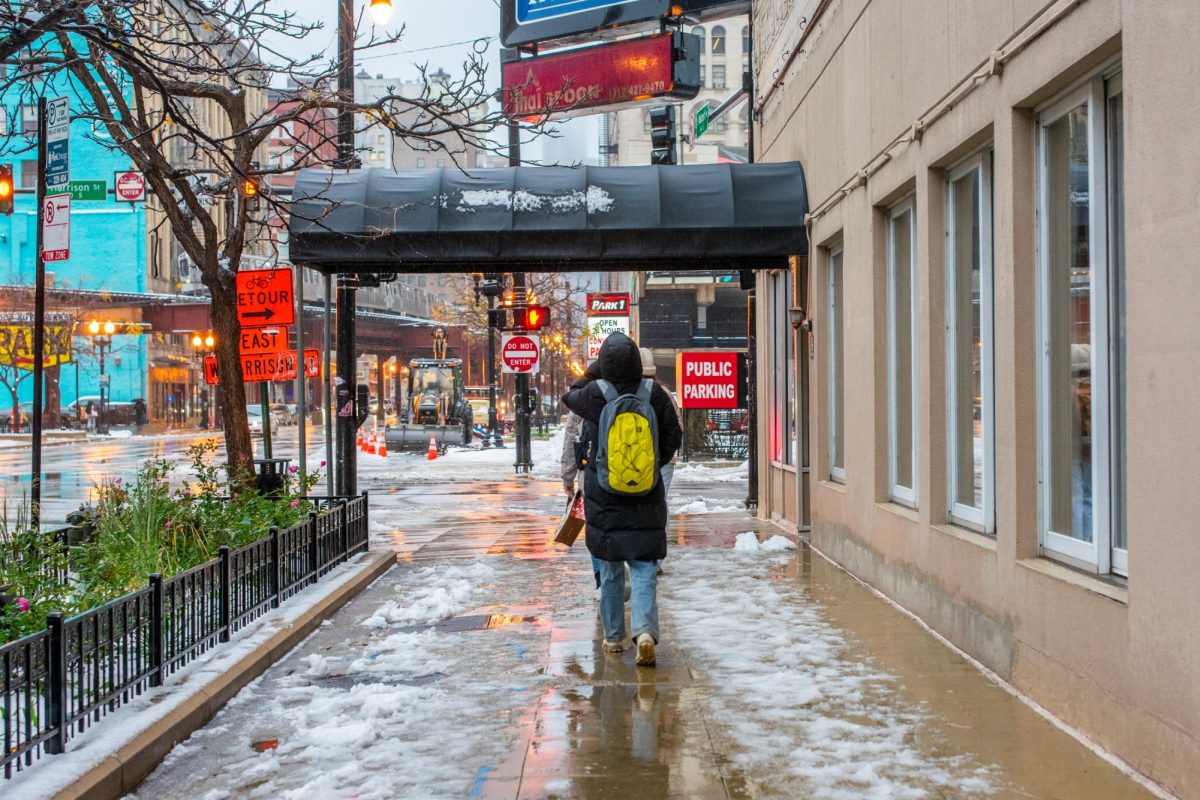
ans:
x=204 y=344
x=381 y=11
x=102 y=333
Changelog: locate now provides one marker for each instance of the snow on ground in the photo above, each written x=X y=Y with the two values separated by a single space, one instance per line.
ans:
x=710 y=472
x=461 y=463
x=381 y=707
x=681 y=503
x=798 y=713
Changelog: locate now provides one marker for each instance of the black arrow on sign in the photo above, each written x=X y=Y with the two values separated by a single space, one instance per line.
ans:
x=266 y=313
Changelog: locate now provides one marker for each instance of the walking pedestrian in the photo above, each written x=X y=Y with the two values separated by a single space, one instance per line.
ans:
x=624 y=499
x=92 y=416
x=575 y=443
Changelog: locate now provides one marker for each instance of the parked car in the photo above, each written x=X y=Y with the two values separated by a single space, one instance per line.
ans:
x=283 y=414
x=254 y=416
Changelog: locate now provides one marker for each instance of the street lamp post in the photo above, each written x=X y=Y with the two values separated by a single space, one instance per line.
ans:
x=102 y=333
x=204 y=344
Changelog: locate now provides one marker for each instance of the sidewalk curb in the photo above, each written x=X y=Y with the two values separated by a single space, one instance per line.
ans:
x=121 y=772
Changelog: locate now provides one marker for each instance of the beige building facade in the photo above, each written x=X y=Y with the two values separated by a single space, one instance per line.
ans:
x=977 y=389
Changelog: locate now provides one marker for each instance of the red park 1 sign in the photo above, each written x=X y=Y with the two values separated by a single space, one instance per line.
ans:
x=707 y=380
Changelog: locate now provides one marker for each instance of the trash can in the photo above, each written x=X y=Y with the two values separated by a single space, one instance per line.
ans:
x=269 y=474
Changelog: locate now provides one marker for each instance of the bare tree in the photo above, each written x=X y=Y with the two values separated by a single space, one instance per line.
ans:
x=180 y=86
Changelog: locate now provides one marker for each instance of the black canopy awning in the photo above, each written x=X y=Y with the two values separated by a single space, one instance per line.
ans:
x=710 y=216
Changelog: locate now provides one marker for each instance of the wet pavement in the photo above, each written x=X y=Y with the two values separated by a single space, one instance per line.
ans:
x=474 y=669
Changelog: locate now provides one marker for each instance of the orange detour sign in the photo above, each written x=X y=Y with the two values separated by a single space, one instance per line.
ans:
x=266 y=367
x=265 y=298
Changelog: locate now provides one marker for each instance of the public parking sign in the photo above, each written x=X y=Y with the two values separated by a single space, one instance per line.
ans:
x=265 y=298
x=708 y=380
x=58 y=154
x=56 y=228
x=521 y=353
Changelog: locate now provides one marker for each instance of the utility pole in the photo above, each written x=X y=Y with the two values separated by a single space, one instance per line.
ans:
x=524 y=461
x=39 y=327
x=347 y=366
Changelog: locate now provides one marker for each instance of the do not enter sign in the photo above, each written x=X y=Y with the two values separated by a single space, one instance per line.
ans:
x=521 y=353
x=264 y=297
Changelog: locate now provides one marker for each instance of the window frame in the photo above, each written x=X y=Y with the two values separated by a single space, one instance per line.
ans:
x=981 y=519
x=718 y=76
x=718 y=40
x=1097 y=555
x=835 y=306
x=905 y=495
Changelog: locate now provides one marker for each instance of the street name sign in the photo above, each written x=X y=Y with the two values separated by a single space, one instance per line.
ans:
x=265 y=298
x=58 y=154
x=56 y=228
x=264 y=340
x=700 y=125
x=708 y=380
x=528 y=21
x=267 y=367
x=521 y=353
x=614 y=75
x=130 y=187
x=90 y=191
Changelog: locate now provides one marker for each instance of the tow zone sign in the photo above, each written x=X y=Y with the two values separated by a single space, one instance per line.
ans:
x=267 y=367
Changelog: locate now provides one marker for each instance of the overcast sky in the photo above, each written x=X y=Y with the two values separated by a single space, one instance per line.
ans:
x=439 y=33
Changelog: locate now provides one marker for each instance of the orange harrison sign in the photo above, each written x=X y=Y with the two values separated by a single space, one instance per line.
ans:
x=267 y=367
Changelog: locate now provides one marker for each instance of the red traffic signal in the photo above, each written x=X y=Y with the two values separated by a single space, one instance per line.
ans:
x=535 y=318
x=6 y=189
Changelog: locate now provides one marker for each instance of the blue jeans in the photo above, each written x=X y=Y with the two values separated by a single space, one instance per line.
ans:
x=643 y=613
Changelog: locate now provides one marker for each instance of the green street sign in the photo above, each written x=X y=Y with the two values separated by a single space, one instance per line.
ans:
x=88 y=190
x=700 y=124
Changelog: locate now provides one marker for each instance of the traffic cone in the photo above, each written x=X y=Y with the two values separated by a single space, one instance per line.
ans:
x=370 y=444
x=383 y=445
x=432 y=449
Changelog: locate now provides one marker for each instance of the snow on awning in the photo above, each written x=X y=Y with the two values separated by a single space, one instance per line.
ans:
x=709 y=216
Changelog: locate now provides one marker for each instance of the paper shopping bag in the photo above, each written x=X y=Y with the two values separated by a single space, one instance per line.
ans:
x=571 y=522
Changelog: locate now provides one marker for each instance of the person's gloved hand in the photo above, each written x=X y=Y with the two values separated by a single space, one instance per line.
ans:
x=569 y=487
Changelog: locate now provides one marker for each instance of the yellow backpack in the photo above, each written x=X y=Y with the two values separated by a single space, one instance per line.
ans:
x=627 y=451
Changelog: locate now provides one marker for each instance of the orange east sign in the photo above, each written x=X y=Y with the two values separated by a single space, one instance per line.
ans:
x=264 y=340
x=267 y=367
x=265 y=298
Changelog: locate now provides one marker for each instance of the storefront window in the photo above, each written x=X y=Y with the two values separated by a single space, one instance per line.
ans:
x=784 y=445
x=969 y=344
x=1081 y=393
x=902 y=361
x=837 y=359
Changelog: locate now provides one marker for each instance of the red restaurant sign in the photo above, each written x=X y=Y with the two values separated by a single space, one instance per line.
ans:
x=707 y=380
x=615 y=74
x=608 y=305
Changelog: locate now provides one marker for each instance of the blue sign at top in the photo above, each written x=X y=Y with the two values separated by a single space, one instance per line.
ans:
x=536 y=10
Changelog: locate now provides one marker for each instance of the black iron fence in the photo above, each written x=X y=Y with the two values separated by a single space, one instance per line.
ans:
x=60 y=681
x=715 y=434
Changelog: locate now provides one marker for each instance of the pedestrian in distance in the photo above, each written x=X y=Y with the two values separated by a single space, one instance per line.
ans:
x=574 y=450
x=649 y=370
x=91 y=416
x=637 y=431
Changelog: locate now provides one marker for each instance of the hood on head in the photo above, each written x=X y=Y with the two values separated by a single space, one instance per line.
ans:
x=620 y=361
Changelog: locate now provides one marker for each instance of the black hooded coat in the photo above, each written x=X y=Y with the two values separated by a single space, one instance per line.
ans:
x=624 y=527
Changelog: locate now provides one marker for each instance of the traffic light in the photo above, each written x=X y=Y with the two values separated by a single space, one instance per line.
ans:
x=6 y=189
x=662 y=135
x=498 y=318
x=252 y=193
x=535 y=317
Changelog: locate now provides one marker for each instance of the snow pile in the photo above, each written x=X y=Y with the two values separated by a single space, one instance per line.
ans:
x=789 y=701
x=439 y=592
x=708 y=472
x=700 y=505
x=748 y=543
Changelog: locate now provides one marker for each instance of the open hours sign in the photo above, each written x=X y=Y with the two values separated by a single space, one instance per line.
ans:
x=266 y=297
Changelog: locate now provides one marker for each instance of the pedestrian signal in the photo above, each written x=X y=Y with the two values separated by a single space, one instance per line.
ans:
x=250 y=190
x=535 y=318
x=6 y=189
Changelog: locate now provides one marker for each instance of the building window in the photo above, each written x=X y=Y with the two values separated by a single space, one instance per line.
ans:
x=783 y=396
x=29 y=120
x=969 y=344
x=745 y=38
x=1081 y=341
x=718 y=76
x=836 y=371
x=703 y=76
x=902 y=354
x=29 y=174
x=420 y=163
x=718 y=40
x=702 y=35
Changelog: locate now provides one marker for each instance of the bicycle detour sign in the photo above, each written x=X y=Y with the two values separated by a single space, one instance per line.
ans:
x=521 y=353
x=265 y=298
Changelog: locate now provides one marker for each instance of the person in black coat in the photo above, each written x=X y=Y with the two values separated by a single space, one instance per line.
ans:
x=626 y=528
